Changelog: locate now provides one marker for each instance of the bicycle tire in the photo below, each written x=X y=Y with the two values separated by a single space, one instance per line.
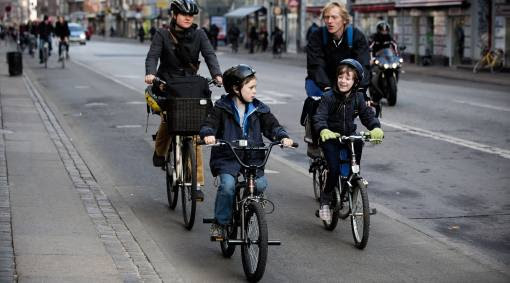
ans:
x=360 y=216
x=64 y=59
x=45 y=58
x=477 y=66
x=189 y=167
x=254 y=251
x=226 y=249
x=335 y=201
x=172 y=191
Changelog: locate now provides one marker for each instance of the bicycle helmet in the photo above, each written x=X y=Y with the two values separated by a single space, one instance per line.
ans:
x=236 y=75
x=382 y=25
x=189 y=7
x=357 y=67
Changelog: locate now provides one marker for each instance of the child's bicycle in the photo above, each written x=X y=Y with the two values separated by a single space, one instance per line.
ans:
x=352 y=199
x=492 y=59
x=248 y=217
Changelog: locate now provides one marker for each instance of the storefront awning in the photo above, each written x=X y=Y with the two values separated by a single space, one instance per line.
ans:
x=243 y=11
x=373 y=7
x=424 y=3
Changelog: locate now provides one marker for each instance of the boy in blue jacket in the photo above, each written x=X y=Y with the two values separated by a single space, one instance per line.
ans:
x=237 y=115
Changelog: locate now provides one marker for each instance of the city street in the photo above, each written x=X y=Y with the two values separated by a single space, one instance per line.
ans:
x=439 y=181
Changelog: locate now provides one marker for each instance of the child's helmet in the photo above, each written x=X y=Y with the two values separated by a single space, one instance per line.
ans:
x=189 y=7
x=236 y=75
x=357 y=67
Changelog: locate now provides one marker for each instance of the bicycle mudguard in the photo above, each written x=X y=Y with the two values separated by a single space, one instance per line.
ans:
x=344 y=163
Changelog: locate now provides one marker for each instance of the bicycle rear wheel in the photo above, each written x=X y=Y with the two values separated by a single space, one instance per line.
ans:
x=172 y=190
x=254 y=250
x=189 y=167
x=360 y=216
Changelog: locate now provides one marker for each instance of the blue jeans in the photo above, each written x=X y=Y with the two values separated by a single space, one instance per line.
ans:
x=226 y=194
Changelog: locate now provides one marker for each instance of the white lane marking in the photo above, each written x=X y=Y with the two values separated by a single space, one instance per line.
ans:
x=93 y=104
x=81 y=86
x=5 y=131
x=441 y=137
x=127 y=126
x=483 y=105
x=107 y=76
x=129 y=76
x=277 y=93
x=136 y=102
x=268 y=171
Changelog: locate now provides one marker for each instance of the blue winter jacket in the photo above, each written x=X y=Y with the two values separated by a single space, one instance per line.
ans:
x=223 y=123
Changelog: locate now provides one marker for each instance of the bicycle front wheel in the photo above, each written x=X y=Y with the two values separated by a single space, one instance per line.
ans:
x=189 y=205
x=254 y=250
x=172 y=190
x=360 y=215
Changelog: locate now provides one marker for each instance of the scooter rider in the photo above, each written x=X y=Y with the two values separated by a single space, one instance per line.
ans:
x=177 y=50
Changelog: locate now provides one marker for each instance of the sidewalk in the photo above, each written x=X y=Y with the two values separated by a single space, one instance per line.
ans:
x=64 y=228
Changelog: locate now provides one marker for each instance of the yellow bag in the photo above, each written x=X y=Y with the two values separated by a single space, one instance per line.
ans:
x=152 y=101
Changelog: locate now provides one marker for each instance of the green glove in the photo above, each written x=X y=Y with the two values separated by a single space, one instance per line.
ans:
x=376 y=135
x=327 y=135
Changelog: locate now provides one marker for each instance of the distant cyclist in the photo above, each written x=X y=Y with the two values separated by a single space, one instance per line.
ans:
x=382 y=39
x=177 y=49
x=62 y=32
x=45 y=30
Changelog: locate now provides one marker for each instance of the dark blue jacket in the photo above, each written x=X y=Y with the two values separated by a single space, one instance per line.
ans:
x=337 y=113
x=223 y=123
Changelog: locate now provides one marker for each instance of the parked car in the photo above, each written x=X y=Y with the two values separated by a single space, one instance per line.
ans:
x=77 y=33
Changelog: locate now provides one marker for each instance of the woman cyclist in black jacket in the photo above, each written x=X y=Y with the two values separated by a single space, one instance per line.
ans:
x=177 y=50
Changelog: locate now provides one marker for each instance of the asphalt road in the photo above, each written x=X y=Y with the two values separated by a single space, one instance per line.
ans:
x=441 y=172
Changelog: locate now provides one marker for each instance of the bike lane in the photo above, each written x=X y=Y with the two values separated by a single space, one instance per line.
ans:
x=396 y=251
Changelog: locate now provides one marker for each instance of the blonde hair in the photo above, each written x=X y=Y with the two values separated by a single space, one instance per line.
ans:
x=343 y=10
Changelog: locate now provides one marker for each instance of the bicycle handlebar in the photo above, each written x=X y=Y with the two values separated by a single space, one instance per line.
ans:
x=268 y=148
x=364 y=136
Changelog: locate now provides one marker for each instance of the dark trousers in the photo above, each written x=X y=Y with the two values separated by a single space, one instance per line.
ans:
x=60 y=44
x=331 y=149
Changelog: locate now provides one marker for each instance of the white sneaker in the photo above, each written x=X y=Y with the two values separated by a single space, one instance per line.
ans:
x=325 y=214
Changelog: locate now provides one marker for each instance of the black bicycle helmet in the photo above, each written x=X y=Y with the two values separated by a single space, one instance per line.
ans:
x=357 y=67
x=189 y=7
x=236 y=75
x=382 y=25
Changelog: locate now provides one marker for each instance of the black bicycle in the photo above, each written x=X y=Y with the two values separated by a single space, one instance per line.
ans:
x=181 y=168
x=352 y=199
x=248 y=217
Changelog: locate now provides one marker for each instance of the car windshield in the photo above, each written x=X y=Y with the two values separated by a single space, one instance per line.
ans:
x=75 y=28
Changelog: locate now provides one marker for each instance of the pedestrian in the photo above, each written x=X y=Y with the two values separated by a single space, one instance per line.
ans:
x=253 y=38
x=277 y=38
x=459 y=36
x=141 y=33
x=152 y=31
x=263 y=37
x=235 y=116
x=233 y=37
x=213 y=35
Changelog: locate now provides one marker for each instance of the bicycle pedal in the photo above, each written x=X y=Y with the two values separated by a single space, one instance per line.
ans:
x=373 y=211
x=217 y=239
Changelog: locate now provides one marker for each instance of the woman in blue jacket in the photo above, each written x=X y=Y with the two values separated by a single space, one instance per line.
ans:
x=237 y=115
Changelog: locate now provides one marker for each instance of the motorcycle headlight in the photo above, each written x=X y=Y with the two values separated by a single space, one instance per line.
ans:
x=386 y=66
x=394 y=65
x=401 y=60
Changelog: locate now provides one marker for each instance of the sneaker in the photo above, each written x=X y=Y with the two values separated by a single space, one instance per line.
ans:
x=216 y=232
x=197 y=195
x=325 y=214
x=158 y=161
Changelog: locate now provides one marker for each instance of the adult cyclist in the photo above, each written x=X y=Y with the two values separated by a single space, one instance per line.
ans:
x=45 y=30
x=62 y=32
x=177 y=49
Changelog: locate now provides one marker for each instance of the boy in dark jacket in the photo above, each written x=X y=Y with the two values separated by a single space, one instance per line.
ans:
x=237 y=115
x=335 y=117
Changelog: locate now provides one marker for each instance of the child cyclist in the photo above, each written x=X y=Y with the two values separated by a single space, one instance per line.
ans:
x=335 y=117
x=237 y=115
